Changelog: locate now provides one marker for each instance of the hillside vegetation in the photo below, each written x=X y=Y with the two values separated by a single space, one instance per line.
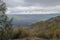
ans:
x=49 y=29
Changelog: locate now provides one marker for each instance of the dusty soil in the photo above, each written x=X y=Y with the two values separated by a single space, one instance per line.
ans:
x=31 y=39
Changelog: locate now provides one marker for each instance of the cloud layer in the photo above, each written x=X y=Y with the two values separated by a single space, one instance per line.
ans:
x=33 y=6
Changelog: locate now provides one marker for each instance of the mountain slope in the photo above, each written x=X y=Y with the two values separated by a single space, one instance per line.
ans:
x=49 y=28
x=49 y=22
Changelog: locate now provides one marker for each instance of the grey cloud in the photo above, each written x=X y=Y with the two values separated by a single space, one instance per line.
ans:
x=13 y=3
x=33 y=3
x=43 y=2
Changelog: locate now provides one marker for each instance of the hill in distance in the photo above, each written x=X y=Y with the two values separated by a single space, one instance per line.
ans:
x=28 y=19
x=55 y=21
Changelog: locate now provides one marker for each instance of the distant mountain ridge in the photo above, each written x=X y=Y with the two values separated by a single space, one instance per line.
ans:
x=28 y=19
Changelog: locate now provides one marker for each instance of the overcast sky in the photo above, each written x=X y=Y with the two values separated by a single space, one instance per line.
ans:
x=33 y=6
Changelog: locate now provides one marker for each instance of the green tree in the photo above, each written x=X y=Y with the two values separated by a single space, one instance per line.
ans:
x=5 y=24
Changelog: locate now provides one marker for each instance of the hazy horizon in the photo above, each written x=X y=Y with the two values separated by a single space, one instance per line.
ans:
x=28 y=19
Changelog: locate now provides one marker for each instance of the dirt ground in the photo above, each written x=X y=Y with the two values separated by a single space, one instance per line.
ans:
x=30 y=39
